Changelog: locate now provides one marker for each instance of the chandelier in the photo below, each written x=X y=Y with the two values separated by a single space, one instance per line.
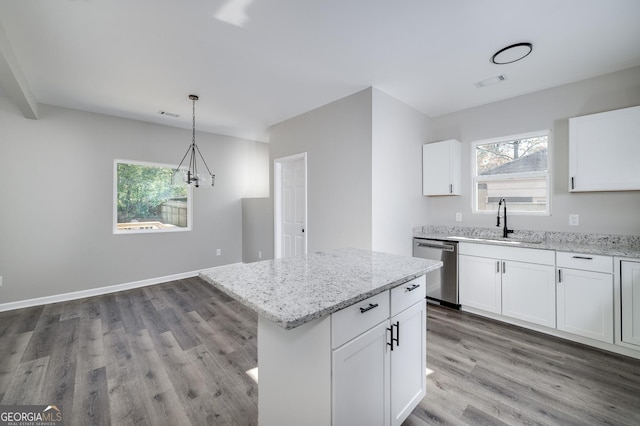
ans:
x=192 y=176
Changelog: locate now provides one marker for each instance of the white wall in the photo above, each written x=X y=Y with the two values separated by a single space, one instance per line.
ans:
x=56 y=202
x=399 y=132
x=337 y=139
x=600 y=212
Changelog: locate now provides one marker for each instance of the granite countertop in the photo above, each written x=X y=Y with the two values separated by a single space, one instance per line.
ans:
x=296 y=290
x=598 y=244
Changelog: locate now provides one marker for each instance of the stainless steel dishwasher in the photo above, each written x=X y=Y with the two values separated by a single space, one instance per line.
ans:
x=442 y=284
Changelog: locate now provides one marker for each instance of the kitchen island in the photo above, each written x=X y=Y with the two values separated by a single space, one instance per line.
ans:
x=329 y=334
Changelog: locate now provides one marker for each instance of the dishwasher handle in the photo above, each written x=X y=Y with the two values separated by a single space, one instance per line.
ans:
x=436 y=246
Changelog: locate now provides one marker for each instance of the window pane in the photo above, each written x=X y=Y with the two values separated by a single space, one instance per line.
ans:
x=515 y=156
x=148 y=200
x=522 y=195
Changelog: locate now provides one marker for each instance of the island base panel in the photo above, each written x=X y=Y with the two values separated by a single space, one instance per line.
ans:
x=294 y=373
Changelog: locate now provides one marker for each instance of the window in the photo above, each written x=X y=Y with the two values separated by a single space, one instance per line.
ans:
x=514 y=168
x=146 y=199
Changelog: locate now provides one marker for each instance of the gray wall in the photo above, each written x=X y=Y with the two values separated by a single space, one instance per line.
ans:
x=600 y=212
x=337 y=139
x=364 y=171
x=56 y=202
x=257 y=229
x=399 y=132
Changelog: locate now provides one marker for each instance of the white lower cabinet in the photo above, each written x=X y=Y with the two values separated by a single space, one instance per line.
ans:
x=585 y=295
x=374 y=384
x=361 y=379
x=517 y=282
x=577 y=293
x=480 y=283
x=378 y=376
x=630 y=300
x=529 y=292
x=408 y=362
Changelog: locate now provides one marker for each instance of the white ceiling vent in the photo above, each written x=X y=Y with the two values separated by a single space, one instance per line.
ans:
x=489 y=81
x=168 y=114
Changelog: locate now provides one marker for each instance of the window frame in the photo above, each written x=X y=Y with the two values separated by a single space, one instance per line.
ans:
x=114 y=201
x=512 y=176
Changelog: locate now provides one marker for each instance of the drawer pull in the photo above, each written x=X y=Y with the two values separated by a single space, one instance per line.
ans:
x=583 y=257
x=368 y=308
x=413 y=287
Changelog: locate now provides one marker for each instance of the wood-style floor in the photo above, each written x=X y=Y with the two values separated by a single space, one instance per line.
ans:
x=490 y=373
x=177 y=354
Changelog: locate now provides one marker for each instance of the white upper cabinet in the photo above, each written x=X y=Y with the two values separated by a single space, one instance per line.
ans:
x=604 y=151
x=441 y=168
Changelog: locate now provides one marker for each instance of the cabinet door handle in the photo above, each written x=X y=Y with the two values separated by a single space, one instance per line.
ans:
x=397 y=338
x=504 y=268
x=572 y=183
x=413 y=287
x=368 y=308
x=583 y=257
x=450 y=188
x=559 y=275
x=497 y=266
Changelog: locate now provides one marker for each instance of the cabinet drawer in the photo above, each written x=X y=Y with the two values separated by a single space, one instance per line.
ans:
x=585 y=262
x=354 y=320
x=408 y=294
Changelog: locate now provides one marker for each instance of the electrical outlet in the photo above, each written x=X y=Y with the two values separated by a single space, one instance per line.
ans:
x=574 y=220
x=458 y=217
x=218 y=252
x=0 y=280
x=259 y=254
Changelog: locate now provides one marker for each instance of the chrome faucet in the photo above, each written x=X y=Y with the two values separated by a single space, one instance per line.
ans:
x=505 y=230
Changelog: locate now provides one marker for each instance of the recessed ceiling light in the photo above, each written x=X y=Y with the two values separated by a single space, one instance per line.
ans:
x=512 y=53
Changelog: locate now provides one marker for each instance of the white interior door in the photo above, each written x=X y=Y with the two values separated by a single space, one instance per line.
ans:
x=290 y=182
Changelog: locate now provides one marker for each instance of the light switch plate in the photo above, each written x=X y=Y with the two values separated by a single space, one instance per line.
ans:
x=574 y=220
x=0 y=280
x=218 y=252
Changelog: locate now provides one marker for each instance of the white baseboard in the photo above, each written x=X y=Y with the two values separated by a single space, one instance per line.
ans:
x=65 y=297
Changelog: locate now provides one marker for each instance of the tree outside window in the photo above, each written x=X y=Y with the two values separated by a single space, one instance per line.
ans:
x=148 y=199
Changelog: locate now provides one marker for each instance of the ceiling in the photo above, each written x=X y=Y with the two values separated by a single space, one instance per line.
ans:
x=255 y=63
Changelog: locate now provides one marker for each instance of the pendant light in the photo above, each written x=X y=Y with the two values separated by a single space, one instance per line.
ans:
x=192 y=176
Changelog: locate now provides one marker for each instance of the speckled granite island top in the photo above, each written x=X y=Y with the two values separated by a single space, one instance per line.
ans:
x=296 y=290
